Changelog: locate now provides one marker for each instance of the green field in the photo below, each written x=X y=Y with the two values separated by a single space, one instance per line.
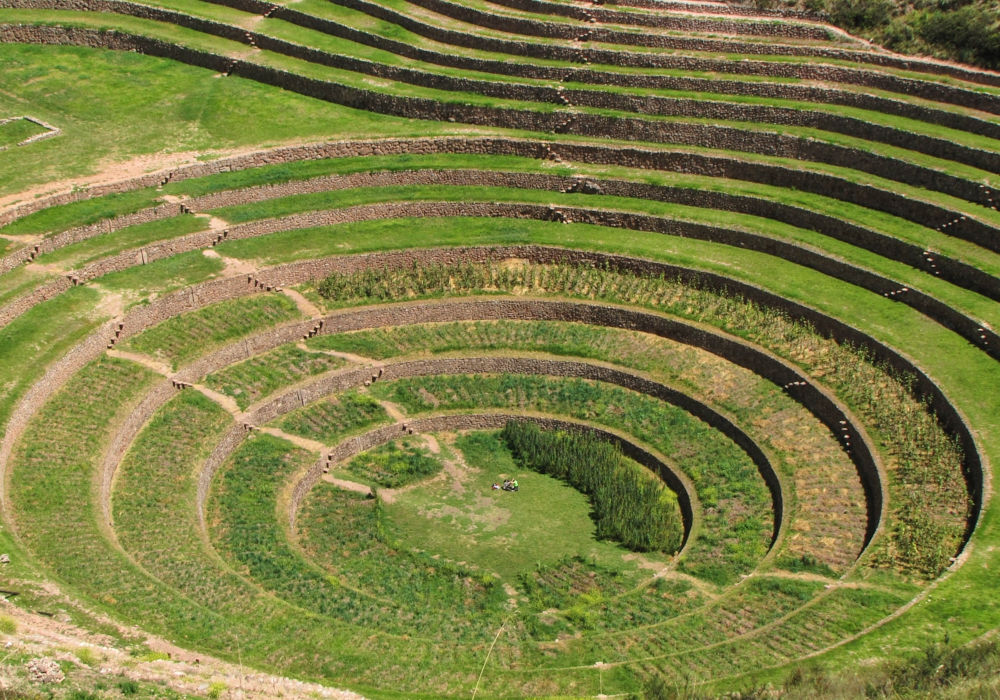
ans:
x=237 y=500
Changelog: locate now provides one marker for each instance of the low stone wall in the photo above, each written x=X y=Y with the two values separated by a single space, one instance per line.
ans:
x=683 y=22
x=83 y=233
x=720 y=8
x=563 y=30
x=632 y=80
x=823 y=73
x=624 y=128
x=660 y=106
x=25 y=303
x=963 y=325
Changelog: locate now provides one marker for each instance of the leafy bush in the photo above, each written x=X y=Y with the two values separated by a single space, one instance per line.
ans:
x=393 y=466
x=968 y=33
x=861 y=14
x=128 y=687
x=8 y=625
x=630 y=506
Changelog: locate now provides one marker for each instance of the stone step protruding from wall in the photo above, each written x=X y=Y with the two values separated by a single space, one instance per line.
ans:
x=261 y=286
x=119 y=328
x=314 y=331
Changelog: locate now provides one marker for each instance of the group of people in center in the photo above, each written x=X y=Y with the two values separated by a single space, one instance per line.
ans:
x=508 y=485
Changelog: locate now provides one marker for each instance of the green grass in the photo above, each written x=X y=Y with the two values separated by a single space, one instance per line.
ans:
x=461 y=518
x=631 y=505
x=82 y=213
x=20 y=281
x=79 y=254
x=821 y=482
x=143 y=282
x=114 y=106
x=189 y=336
x=973 y=303
x=254 y=379
x=925 y=464
x=413 y=548
x=37 y=338
x=595 y=653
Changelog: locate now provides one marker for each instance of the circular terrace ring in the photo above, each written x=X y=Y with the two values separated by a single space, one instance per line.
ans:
x=676 y=480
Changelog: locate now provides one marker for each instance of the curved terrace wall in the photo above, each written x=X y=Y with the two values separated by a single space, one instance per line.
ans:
x=494 y=421
x=924 y=213
x=641 y=104
x=967 y=327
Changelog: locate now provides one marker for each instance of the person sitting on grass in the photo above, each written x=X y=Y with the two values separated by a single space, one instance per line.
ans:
x=496 y=486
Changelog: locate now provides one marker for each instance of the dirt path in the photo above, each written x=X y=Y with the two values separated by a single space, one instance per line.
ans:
x=144 y=360
x=184 y=672
x=233 y=266
x=347 y=485
x=394 y=411
x=349 y=356
x=304 y=443
x=227 y=402
x=307 y=308
x=455 y=469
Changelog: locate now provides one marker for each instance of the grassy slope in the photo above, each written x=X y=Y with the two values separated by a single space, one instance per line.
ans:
x=115 y=106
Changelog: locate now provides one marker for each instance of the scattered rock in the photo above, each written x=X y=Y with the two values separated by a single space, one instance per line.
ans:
x=45 y=671
x=4 y=559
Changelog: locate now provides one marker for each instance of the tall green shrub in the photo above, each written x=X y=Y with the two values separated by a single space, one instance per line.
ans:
x=630 y=506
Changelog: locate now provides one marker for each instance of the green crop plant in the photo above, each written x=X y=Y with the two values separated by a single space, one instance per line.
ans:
x=190 y=336
x=630 y=506
x=394 y=465
x=329 y=419
x=735 y=498
x=136 y=509
x=254 y=379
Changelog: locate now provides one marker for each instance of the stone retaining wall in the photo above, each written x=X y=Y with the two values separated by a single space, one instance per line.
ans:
x=578 y=74
x=682 y=22
x=691 y=63
x=923 y=213
x=583 y=370
x=653 y=105
x=963 y=325
x=516 y=24
x=949 y=269
x=621 y=128
x=25 y=303
x=720 y=8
